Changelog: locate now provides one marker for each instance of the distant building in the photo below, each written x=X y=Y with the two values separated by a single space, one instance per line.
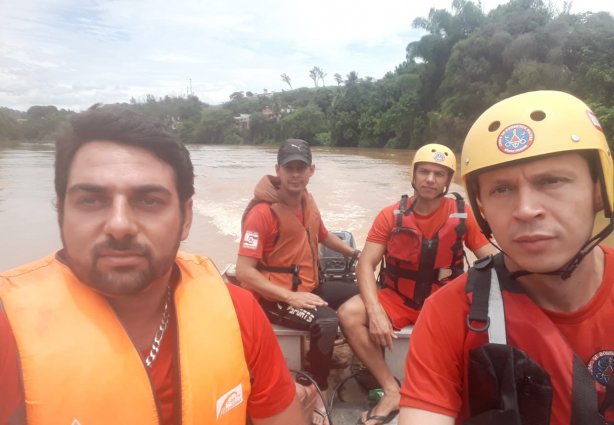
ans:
x=287 y=110
x=268 y=112
x=243 y=121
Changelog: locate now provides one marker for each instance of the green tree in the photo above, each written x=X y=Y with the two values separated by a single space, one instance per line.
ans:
x=9 y=129
x=261 y=128
x=237 y=96
x=589 y=54
x=215 y=125
x=304 y=123
x=42 y=122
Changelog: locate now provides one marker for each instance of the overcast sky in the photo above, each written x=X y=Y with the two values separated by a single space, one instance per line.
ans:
x=73 y=53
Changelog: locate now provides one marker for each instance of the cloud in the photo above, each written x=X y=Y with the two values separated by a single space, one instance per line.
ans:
x=73 y=53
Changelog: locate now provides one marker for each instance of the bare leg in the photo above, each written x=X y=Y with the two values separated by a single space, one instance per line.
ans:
x=320 y=415
x=354 y=323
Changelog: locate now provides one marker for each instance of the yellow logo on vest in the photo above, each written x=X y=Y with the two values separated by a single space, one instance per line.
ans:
x=229 y=401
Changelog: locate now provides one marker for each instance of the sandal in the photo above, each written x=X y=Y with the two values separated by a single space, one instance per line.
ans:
x=324 y=416
x=379 y=419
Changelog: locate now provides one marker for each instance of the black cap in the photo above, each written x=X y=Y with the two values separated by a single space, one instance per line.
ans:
x=294 y=150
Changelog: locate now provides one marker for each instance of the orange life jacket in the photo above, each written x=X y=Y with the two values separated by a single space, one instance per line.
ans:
x=293 y=263
x=78 y=365
x=521 y=370
x=414 y=266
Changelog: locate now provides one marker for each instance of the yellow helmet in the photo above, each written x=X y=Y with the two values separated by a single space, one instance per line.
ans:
x=530 y=125
x=435 y=154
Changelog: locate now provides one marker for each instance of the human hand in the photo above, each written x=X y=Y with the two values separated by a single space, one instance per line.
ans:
x=305 y=300
x=380 y=328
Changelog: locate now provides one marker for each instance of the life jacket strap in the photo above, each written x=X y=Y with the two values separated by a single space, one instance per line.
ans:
x=458 y=253
x=427 y=274
x=294 y=269
x=486 y=293
x=487 y=309
x=422 y=286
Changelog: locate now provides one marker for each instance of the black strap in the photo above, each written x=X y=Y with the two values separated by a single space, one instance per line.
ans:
x=395 y=273
x=478 y=282
x=607 y=406
x=425 y=279
x=403 y=211
x=584 y=404
x=458 y=253
x=294 y=269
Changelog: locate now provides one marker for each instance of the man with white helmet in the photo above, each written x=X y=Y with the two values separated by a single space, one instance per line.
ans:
x=420 y=239
x=523 y=337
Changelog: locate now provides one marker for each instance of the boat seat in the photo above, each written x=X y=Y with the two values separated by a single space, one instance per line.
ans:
x=292 y=344
x=395 y=358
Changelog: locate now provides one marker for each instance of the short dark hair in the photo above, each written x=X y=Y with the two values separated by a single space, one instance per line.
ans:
x=127 y=127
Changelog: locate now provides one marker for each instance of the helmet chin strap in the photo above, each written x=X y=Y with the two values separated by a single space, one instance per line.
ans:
x=566 y=271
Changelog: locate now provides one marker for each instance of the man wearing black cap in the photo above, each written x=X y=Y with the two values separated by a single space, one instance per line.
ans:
x=278 y=257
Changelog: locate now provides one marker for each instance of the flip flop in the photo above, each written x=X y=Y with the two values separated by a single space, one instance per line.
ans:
x=379 y=419
x=323 y=414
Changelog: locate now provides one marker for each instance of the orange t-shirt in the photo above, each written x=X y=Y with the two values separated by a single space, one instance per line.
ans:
x=437 y=358
x=260 y=230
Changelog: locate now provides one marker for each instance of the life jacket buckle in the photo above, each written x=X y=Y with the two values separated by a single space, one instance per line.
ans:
x=478 y=329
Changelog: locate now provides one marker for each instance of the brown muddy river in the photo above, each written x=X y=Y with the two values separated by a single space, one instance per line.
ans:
x=349 y=185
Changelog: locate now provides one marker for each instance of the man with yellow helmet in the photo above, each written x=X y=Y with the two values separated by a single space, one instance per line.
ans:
x=522 y=338
x=420 y=239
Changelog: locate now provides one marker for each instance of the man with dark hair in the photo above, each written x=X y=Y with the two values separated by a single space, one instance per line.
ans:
x=278 y=258
x=524 y=337
x=118 y=326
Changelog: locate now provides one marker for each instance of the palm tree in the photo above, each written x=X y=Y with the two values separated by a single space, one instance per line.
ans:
x=352 y=78
x=320 y=73
x=286 y=79
x=313 y=74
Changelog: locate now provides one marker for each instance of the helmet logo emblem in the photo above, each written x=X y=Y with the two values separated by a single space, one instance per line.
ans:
x=594 y=120
x=439 y=157
x=515 y=138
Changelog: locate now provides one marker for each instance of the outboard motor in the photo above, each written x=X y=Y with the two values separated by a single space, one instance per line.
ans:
x=335 y=266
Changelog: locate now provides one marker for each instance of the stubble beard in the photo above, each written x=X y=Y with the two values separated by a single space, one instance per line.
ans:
x=121 y=280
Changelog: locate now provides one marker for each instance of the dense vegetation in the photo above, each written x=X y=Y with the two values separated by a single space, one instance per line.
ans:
x=466 y=61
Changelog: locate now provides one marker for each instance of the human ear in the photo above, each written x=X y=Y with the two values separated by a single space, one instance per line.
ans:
x=598 y=203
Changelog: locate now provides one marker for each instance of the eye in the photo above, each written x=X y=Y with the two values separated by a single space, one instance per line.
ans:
x=499 y=190
x=551 y=181
x=149 y=202
x=90 y=201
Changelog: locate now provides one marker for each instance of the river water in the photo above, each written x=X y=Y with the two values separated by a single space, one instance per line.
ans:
x=349 y=185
